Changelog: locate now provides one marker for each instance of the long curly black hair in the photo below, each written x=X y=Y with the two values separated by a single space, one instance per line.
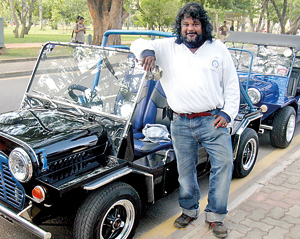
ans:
x=196 y=11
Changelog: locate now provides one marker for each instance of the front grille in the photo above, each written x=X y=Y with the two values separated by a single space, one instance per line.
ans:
x=11 y=191
x=70 y=165
x=65 y=168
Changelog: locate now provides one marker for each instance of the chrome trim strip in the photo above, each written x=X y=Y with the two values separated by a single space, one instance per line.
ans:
x=241 y=130
x=120 y=173
x=21 y=143
x=149 y=184
x=246 y=123
x=107 y=179
x=165 y=160
x=267 y=127
x=7 y=213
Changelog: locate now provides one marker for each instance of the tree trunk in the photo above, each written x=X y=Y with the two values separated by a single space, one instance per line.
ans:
x=268 y=22
x=259 y=24
x=281 y=16
x=106 y=14
x=23 y=16
x=294 y=26
x=12 y=8
x=27 y=28
x=251 y=23
x=41 y=14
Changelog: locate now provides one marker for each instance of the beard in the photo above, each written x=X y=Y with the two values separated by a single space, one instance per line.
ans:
x=193 y=43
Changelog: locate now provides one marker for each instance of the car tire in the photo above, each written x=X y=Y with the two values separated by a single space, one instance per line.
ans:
x=246 y=154
x=111 y=212
x=284 y=125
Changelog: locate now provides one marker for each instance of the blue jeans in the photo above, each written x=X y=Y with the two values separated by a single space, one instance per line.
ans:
x=187 y=134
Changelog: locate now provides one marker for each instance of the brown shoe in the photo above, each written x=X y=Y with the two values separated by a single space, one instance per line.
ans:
x=218 y=229
x=183 y=221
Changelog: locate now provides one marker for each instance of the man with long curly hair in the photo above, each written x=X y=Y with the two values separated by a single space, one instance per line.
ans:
x=202 y=89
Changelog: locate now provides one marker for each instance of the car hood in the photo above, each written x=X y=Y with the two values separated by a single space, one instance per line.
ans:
x=51 y=130
x=268 y=88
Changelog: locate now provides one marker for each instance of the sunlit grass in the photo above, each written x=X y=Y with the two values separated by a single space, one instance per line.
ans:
x=41 y=36
x=36 y=35
x=20 y=53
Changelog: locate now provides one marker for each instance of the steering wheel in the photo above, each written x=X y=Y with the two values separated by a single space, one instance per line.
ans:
x=87 y=98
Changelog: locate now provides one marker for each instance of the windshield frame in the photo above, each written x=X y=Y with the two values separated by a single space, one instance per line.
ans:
x=256 y=48
x=56 y=103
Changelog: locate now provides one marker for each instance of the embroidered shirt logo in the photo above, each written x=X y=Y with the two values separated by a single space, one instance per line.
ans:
x=214 y=64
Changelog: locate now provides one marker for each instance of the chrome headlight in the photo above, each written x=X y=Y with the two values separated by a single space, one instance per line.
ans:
x=254 y=95
x=20 y=165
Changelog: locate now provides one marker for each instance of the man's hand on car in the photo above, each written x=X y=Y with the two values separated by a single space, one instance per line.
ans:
x=148 y=63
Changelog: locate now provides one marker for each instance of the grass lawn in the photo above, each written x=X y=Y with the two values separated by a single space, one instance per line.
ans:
x=35 y=36
x=20 y=53
x=40 y=36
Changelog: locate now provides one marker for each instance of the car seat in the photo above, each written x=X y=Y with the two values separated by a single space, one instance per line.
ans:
x=153 y=115
x=129 y=90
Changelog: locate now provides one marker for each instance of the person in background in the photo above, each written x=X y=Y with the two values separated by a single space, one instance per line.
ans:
x=202 y=89
x=79 y=30
x=224 y=30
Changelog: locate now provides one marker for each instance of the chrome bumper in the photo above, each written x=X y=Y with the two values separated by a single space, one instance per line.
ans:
x=12 y=216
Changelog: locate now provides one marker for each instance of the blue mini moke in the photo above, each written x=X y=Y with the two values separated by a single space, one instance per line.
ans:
x=274 y=83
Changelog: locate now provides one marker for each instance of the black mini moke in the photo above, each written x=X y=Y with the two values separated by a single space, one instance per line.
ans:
x=76 y=144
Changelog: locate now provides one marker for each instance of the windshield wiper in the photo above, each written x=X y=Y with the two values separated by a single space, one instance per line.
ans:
x=40 y=122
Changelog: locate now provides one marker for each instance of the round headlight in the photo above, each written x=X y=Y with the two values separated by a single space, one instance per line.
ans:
x=20 y=165
x=254 y=95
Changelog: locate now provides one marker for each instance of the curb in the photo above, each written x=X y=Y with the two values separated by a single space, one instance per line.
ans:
x=18 y=60
x=15 y=74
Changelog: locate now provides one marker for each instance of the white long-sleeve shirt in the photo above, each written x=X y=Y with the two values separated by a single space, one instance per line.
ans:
x=195 y=82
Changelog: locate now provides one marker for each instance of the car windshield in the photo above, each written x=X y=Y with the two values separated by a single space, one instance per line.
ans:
x=269 y=60
x=104 y=81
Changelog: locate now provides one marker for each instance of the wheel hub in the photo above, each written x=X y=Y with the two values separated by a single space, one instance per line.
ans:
x=114 y=222
x=290 y=128
x=118 y=221
x=117 y=224
x=249 y=154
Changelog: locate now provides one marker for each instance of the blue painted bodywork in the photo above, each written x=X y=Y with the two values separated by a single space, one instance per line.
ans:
x=132 y=32
x=275 y=90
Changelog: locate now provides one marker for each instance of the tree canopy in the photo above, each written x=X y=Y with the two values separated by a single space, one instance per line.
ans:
x=253 y=15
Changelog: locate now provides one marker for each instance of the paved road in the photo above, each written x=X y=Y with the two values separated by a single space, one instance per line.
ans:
x=11 y=92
